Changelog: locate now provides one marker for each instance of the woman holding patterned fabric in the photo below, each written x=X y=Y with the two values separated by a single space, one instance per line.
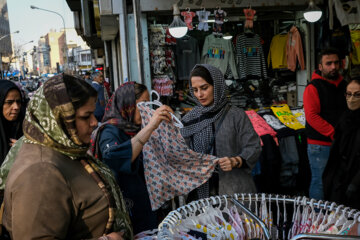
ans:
x=12 y=116
x=217 y=128
x=54 y=190
x=342 y=173
x=119 y=141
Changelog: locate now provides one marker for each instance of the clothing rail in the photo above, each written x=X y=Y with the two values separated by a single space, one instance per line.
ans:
x=253 y=216
x=324 y=236
x=174 y=217
x=326 y=205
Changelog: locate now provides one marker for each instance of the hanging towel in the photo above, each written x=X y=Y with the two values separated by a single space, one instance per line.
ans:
x=170 y=167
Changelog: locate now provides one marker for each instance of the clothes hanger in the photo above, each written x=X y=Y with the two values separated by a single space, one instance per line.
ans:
x=277 y=216
x=348 y=221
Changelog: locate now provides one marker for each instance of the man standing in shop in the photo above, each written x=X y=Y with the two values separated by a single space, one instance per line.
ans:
x=97 y=83
x=324 y=102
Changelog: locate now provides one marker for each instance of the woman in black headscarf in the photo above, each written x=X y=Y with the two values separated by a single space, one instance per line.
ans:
x=217 y=128
x=12 y=116
x=341 y=176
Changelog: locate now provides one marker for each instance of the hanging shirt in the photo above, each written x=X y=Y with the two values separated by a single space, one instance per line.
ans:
x=188 y=16
x=355 y=39
x=170 y=167
x=187 y=56
x=294 y=50
x=283 y=113
x=219 y=53
x=300 y=115
x=260 y=125
x=250 y=57
x=203 y=17
x=277 y=52
x=347 y=11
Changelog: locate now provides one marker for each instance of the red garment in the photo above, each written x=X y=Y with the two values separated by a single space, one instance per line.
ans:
x=107 y=87
x=312 y=111
x=294 y=50
x=188 y=16
x=249 y=14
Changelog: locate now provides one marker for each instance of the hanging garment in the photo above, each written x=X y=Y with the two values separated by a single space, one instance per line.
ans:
x=171 y=168
x=163 y=85
x=249 y=14
x=294 y=50
x=188 y=17
x=260 y=125
x=219 y=20
x=274 y=122
x=250 y=57
x=219 y=53
x=283 y=113
x=187 y=56
x=277 y=52
x=203 y=17
x=355 y=39
x=347 y=11
x=300 y=115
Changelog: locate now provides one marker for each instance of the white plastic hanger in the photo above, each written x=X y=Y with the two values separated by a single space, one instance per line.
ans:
x=156 y=102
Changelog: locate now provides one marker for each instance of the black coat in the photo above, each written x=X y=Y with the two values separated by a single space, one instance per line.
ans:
x=341 y=178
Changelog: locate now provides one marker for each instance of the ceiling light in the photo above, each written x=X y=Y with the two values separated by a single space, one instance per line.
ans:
x=312 y=13
x=177 y=28
x=227 y=36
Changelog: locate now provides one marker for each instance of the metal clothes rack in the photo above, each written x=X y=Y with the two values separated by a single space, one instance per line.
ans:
x=173 y=219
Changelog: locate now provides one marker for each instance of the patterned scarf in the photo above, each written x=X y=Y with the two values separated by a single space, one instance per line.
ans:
x=198 y=123
x=120 y=112
x=50 y=122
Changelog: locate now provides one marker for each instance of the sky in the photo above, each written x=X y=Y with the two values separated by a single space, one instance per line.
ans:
x=33 y=23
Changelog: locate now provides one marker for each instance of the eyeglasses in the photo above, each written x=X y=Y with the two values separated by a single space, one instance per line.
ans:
x=355 y=95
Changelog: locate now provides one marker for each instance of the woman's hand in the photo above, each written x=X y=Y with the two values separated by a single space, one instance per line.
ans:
x=227 y=164
x=113 y=236
x=161 y=114
x=12 y=142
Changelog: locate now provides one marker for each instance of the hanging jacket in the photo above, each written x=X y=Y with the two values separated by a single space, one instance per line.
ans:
x=324 y=102
x=294 y=50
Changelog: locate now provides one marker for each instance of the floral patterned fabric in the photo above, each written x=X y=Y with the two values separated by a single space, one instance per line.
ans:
x=171 y=168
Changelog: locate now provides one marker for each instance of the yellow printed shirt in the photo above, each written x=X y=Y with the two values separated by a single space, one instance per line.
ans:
x=355 y=39
x=277 y=53
x=283 y=113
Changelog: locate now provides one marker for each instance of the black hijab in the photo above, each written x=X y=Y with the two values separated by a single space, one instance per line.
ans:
x=9 y=129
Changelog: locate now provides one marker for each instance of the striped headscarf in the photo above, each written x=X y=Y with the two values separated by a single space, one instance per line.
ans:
x=50 y=121
x=198 y=123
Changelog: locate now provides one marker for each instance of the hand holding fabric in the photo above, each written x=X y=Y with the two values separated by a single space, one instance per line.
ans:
x=161 y=114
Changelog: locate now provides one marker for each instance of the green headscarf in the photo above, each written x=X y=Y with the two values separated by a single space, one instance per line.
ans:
x=50 y=121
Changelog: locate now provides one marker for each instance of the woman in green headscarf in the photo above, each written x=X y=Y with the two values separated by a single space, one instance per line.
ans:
x=54 y=190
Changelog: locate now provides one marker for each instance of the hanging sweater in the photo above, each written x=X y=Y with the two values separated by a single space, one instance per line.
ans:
x=187 y=56
x=219 y=53
x=250 y=57
x=347 y=11
x=294 y=50
x=277 y=52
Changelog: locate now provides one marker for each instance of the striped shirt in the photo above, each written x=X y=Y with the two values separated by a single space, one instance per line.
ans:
x=250 y=57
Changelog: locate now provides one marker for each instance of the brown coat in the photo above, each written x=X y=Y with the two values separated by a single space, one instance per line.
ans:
x=50 y=196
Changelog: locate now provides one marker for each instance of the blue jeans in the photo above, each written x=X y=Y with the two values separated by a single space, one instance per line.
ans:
x=318 y=157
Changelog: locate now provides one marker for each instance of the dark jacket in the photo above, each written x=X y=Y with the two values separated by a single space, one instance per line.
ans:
x=330 y=101
x=341 y=177
x=116 y=152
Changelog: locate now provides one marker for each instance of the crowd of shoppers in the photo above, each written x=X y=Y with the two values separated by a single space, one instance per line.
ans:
x=76 y=156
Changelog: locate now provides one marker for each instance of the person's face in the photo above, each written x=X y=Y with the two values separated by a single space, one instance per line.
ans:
x=353 y=96
x=145 y=97
x=85 y=120
x=329 y=66
x=203 y=91
x=100 y=79
x=12 y=105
